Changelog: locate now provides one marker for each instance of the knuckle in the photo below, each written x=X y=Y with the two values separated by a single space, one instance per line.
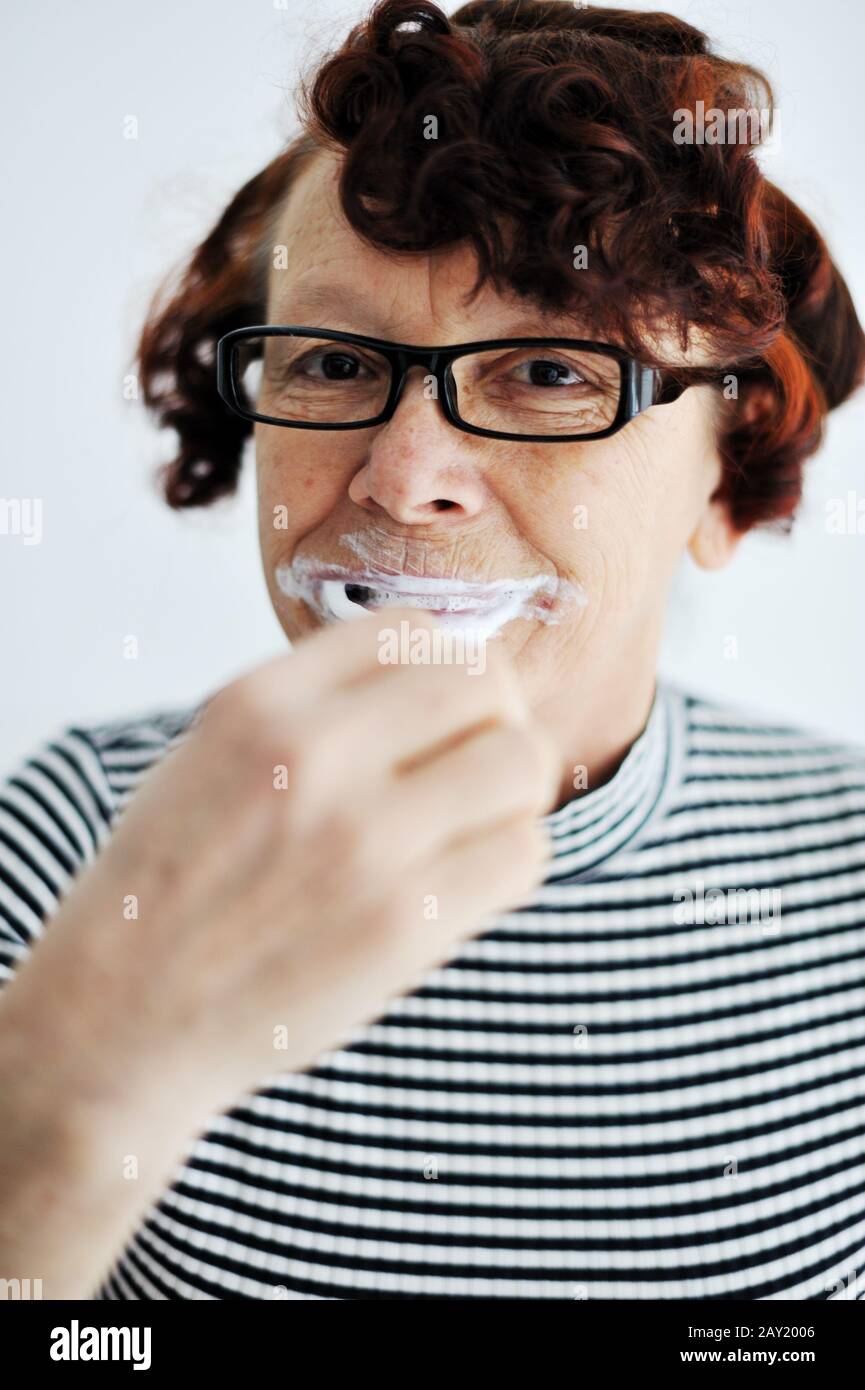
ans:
x=343 y=832
x=525 y=755
x=261 y=738
x=223 y=708
x=393 y=924
x=236 y=709
x=281 y=758
x=540 y=765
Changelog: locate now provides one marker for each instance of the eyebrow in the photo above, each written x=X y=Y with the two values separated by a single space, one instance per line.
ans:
x=356 y=308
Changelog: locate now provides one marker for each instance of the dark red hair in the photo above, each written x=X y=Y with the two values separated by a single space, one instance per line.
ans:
x=555 y=129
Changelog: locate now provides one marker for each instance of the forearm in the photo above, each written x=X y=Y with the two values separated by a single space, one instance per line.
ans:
x=82 y=1153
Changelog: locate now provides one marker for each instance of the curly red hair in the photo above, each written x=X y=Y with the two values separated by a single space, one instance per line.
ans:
x=555 y=129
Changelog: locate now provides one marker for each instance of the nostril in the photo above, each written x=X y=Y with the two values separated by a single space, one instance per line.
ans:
x=443 y=504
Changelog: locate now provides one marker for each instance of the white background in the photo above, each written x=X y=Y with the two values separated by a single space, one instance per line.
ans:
x=93 y=221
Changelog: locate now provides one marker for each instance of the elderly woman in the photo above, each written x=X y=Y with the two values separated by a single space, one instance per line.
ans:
x=452 y=953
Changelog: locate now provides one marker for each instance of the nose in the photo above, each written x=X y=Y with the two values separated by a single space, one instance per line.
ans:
x=419 y=467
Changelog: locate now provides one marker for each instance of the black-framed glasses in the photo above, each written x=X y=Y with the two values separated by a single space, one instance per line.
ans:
x=536 y=389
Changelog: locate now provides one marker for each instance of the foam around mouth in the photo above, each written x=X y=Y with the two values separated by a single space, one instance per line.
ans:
x=482 y=616
x=375 y=596
x=483 y=608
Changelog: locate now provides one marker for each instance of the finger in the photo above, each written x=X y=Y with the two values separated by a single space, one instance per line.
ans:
x=327 y=659
x=404 y=715
x=493 y=776
x=452 y=897
x=493 y=870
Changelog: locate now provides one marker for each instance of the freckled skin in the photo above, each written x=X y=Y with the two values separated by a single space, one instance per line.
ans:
x=647 y=491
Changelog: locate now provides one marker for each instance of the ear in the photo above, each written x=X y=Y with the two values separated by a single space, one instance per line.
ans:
x=714 y=540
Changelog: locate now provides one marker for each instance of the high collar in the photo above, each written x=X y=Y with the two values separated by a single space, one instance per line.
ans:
x=587 y=831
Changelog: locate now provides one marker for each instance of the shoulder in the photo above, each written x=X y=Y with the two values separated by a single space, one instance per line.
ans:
x=740 y=751
x=720 y=727
x=122 y=751
x=58 y=803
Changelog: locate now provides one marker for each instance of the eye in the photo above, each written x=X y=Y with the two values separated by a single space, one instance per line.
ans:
x=334 y=366
x=544 y=371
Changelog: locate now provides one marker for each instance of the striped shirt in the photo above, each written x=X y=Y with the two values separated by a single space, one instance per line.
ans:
x=649 y=1082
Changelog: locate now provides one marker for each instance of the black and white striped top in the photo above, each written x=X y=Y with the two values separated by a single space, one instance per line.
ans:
x=649 y=1083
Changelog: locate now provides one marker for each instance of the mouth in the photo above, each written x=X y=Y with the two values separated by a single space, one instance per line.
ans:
x=338 y=595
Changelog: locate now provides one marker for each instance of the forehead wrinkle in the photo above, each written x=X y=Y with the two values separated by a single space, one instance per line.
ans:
x=319 y=306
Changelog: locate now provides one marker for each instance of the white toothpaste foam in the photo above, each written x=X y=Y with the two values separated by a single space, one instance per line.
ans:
x=461 y=605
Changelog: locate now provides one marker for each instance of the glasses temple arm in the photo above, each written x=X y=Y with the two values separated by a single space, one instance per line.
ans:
x=649 y=386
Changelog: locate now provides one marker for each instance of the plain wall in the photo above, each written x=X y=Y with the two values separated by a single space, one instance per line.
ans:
x=93 y=221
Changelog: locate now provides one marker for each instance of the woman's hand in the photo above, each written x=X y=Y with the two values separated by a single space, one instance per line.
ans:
x=330 y=828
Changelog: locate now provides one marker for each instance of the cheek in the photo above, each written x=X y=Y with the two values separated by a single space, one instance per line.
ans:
x=586 y=510
x=611 y=521
x=548 y=495
x=295 y=490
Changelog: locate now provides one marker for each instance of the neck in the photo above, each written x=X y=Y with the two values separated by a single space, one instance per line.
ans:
x=595 y=724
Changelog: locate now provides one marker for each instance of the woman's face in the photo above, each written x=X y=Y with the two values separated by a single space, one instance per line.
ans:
x=593 y=531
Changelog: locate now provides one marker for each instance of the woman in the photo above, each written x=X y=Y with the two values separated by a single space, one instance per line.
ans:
x=454 y=954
